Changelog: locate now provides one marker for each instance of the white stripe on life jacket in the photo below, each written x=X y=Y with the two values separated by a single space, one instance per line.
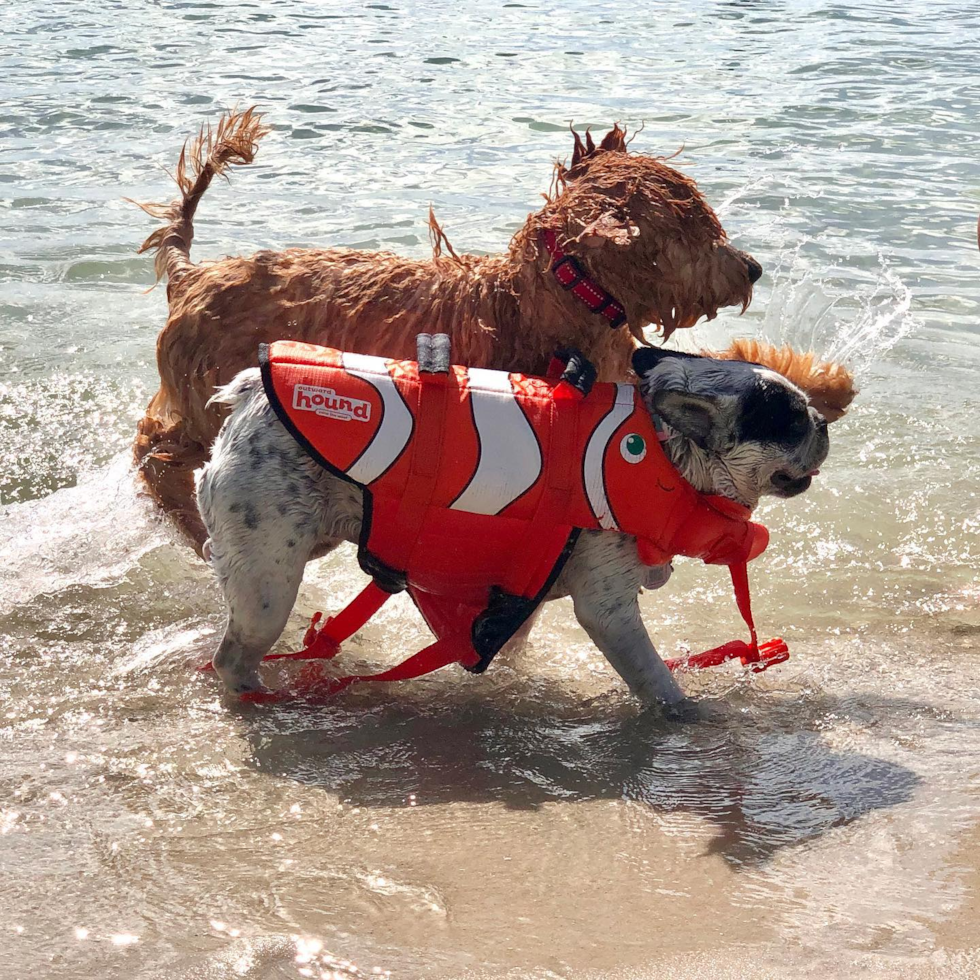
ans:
x=396 y=421
x=510 y=458
x=595 y=454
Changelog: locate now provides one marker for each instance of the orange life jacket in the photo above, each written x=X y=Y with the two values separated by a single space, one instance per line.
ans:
x=476 y=484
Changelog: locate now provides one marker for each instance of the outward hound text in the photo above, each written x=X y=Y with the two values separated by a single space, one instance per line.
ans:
x=326 y=402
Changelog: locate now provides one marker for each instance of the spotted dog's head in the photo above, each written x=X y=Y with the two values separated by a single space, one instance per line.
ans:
x=737 y=429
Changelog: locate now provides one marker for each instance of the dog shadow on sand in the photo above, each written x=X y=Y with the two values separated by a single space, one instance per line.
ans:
x=757 y=768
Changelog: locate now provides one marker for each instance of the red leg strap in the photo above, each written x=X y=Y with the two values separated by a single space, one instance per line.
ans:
x=751 y=654
x=449 y=650
x=324 y=643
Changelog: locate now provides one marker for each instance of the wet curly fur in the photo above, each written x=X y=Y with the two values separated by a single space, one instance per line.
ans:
x=636 y=225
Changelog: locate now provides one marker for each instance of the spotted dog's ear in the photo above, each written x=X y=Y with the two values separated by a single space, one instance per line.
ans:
x=695 y=416
x=699 y=417
x=645 y=359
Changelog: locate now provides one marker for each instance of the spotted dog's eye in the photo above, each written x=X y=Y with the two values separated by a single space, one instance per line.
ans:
x=633 y=447
x=771 y=413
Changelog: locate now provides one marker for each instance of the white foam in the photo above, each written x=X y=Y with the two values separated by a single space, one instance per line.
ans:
x=90 y=534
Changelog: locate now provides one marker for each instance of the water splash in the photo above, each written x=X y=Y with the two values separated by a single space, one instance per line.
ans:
x=813 y=312
x=91 y=534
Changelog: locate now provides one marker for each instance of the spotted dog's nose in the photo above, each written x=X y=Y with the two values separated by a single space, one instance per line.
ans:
x=755 y=270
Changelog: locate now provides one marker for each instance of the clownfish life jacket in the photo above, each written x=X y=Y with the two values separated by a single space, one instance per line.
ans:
x=476 y=484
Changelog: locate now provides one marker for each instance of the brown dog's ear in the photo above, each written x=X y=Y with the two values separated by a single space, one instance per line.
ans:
x=613 y=142
x=582 y=150
x=607 y=228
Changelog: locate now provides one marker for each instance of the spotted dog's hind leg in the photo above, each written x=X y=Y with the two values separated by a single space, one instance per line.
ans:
x=259 y=560
x=259 y=604
x=262 y=503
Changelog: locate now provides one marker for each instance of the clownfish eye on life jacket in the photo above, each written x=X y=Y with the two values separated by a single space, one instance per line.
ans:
x=633 y=448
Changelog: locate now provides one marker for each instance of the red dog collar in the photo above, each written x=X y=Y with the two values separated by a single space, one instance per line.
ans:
x=571 y=277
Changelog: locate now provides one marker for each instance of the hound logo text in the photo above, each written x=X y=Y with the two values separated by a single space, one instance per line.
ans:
x=326 y=402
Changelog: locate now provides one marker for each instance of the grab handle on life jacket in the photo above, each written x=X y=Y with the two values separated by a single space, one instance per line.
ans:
x=433 y=352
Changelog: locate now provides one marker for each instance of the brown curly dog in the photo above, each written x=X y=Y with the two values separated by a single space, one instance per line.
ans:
x=648 y=244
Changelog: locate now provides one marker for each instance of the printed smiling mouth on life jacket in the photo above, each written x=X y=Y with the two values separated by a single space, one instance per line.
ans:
x=476 y=484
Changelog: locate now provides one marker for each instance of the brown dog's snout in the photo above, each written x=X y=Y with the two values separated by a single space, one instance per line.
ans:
x=755 y=270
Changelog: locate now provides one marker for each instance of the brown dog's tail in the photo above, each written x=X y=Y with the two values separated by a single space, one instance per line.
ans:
x=233 y=141
x=166 y=457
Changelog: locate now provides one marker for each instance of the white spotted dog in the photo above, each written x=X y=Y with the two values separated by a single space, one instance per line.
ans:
x=274 y=497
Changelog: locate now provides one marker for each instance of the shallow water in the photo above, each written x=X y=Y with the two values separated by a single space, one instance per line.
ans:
x=825 y=819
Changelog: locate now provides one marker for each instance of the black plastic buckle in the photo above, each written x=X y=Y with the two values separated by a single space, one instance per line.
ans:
x=574 y=266
x=579 y=372
x=503 y=617
x=385 y=577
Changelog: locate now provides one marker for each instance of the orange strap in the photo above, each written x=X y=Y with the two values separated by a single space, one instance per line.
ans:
x=752 y=654
x=743 y=599
x=449 y=650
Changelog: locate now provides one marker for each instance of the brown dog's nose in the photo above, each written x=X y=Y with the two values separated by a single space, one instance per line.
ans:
x=755 y=270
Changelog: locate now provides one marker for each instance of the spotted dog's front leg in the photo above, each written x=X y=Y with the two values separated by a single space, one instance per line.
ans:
x=603 y=577
x=618 y=631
